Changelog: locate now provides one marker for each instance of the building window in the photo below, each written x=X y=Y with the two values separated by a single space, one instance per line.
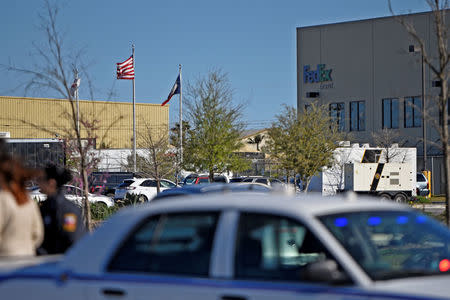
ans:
x=390 y=113
x=337 y=115
x=357 y=116
x=412 y=114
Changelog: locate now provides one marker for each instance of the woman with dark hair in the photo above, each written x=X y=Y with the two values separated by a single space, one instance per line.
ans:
x=62 y=219
x=21 y=229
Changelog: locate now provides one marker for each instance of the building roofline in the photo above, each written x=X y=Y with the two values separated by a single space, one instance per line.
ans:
x=366 y=20
x=254 y=133
x=81 y=100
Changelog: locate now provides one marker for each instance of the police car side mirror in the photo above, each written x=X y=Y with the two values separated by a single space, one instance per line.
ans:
x=324 y=271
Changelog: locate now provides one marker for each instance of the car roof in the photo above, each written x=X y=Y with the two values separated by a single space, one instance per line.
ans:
x=212 y=187
x=276 y=202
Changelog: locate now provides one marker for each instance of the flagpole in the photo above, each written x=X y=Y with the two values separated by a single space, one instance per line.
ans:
x=134 y=118
x=181 y=118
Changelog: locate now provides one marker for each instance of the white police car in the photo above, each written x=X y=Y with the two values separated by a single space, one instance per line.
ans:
x=249 y=246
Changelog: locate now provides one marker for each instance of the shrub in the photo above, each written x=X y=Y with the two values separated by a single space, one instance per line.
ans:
x=100 y=211
x=131 y=199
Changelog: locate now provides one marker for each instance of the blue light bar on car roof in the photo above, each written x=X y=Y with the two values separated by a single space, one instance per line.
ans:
x=374 y=221
x=340 y=222
x=402 y=220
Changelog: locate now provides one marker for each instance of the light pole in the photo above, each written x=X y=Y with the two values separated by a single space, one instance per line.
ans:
x=416 y=49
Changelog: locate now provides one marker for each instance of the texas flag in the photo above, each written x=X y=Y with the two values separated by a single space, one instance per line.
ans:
x=175 y=90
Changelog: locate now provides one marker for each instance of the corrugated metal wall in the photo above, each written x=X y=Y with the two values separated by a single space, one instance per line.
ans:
x=111 y=123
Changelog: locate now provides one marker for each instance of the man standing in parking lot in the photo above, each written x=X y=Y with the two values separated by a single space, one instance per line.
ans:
x=62 y=218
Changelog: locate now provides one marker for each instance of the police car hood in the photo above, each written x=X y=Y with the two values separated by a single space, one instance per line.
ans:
x=18 y=264
x=427 y=286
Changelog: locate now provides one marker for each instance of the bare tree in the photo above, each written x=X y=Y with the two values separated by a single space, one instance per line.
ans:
x=336 y=173
x=438 y=63
x=159 y=159
x=386 y=139
x=53 y=71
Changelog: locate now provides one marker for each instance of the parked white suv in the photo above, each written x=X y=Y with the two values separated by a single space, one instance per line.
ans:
x=422 y=186
x=145 y=188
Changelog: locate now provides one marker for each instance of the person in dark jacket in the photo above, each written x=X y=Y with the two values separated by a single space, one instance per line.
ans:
x=63 y=223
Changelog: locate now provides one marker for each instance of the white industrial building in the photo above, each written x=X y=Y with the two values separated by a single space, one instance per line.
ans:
x=366 y=75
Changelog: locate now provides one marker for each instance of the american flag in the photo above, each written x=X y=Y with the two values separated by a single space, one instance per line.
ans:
x=125 y=70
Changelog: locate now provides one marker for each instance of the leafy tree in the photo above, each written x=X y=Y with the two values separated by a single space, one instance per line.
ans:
x=174 y=137
x=174 y=140
x=385 y=138
x=303 y=143
x=215 y=126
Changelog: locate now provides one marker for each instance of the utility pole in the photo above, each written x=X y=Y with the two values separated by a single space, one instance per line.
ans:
x=415 y=49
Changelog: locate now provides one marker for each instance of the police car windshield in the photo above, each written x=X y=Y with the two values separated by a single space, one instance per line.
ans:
x=390 y=244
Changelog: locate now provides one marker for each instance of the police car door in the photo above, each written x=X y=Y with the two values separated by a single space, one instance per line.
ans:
x=166 y=257
x=270 y=260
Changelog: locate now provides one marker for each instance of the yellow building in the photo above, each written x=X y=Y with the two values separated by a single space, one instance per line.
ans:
x=110 y=123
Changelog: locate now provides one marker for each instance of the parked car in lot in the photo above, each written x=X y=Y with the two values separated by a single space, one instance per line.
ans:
x=144 y=188
x=106 y=182
x=263 y=180
x=248 y=246
x=74 y=194
x=422 y=185
x=236 y=179
x=203 y=178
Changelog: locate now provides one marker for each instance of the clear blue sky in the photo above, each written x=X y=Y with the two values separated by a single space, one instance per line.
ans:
x=253 y=41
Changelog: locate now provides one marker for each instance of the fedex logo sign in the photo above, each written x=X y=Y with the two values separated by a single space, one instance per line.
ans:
x=318 y=75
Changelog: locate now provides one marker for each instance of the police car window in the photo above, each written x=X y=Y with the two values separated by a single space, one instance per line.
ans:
x=178 y=244
x=274 y=248
x=247 y=180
